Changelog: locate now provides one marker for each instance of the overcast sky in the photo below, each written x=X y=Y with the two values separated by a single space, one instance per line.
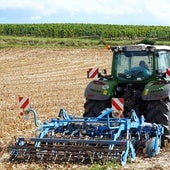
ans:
x=126 y=12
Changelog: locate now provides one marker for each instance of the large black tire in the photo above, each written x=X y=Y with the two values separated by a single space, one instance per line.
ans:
x=158 y=112
x=93 y=108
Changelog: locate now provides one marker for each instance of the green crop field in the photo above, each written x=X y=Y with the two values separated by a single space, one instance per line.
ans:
x=80 y=35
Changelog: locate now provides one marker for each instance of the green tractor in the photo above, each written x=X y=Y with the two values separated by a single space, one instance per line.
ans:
x=140 y=76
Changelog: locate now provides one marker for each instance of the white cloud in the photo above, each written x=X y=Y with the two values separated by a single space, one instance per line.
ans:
x=20 y=4
x=35 y=18
x=157 y=11
x=160 y=9
x=109 y=7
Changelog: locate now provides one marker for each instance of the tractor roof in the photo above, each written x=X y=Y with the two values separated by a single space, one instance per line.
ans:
x=161 y=47
x=140 y=47
x=157 y=47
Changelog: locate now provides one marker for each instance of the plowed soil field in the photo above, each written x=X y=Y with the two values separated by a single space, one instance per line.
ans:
x=52 y=79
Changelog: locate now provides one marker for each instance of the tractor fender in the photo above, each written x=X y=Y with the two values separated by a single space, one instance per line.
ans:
x=99 y=90
x=156 y=90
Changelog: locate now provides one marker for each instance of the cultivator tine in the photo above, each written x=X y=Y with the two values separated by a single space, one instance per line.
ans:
x=70 y=156
x=92 y=157
x=54 y=156
x=82 y=155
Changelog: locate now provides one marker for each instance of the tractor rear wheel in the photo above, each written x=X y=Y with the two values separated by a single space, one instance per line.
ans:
x=93 y=108
x=159 y=112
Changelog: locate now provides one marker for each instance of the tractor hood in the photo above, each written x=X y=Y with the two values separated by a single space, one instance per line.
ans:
x=99 y=90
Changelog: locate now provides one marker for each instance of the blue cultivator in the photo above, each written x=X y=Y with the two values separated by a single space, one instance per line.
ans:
x=88 y=140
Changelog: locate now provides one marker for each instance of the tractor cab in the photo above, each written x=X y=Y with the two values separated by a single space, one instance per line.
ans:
x=137 y=63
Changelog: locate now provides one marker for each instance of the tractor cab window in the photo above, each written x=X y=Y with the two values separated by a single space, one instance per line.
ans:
x=133 y=65
x=163 y=61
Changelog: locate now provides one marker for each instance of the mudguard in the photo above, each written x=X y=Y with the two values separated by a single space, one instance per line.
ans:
x=99 y=89
x=156 y=90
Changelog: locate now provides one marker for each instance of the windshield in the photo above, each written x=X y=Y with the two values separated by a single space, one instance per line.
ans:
x=133 y=65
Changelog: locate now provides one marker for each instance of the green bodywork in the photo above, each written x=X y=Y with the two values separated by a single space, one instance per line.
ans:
x=100 y=89
x=156 y=90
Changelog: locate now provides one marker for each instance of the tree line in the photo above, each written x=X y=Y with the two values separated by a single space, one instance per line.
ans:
x=97 y=31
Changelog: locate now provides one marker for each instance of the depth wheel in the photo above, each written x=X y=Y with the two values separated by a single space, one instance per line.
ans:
x=153 y=147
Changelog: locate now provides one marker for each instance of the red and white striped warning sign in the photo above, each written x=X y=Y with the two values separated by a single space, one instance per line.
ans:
x=92 y=73
x=167 y=72
x=118 y=104
x=24 y=103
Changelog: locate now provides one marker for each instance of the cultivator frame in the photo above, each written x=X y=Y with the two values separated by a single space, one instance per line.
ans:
x=88 y=140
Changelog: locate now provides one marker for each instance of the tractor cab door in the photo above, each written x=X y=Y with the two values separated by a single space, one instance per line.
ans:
x=163 y=61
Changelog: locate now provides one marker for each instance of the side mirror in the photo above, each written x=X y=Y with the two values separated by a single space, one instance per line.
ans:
x=161 y=73
x=104 y=71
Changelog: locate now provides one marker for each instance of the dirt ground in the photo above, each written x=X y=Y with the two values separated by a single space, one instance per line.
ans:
x=52 y=79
